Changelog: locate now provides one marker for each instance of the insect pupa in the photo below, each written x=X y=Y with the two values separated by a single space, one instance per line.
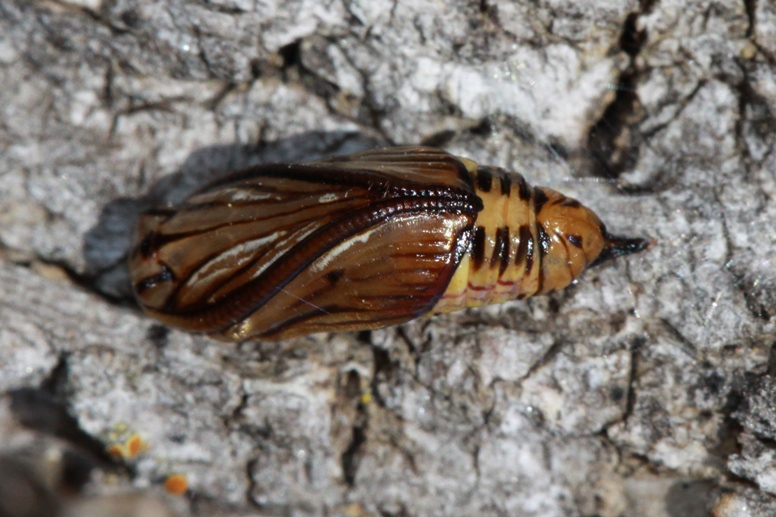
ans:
x=359 y=242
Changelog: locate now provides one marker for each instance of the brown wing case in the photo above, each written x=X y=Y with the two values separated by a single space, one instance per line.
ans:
x=277 y=251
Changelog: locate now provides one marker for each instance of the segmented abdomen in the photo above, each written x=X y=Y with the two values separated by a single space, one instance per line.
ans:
x=526 y=241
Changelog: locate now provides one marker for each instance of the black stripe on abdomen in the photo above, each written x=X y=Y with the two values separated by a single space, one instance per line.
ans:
x=478 y=247
x=484 y=179
x=501 y=250
x=524 y=241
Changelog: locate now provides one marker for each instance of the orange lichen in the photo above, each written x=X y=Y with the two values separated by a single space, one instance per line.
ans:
x=131 y=447
x=135 y=445
x=176 y=484
x=117 y=450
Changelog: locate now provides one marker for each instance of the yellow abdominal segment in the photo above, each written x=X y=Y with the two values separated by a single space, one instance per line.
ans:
x=502 y=260
x=525 y=241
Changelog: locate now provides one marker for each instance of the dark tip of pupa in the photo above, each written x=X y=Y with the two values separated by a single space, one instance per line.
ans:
x=618 y=246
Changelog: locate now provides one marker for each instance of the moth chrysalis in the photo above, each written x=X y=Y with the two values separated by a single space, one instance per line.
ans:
x=359 y=242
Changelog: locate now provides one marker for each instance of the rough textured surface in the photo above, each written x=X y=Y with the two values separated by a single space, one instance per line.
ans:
x=645 y=389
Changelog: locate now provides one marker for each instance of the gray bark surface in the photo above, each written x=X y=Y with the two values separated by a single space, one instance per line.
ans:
x=644 y=389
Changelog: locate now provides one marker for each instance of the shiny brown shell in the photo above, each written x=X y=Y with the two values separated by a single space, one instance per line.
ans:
x=359 y=242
